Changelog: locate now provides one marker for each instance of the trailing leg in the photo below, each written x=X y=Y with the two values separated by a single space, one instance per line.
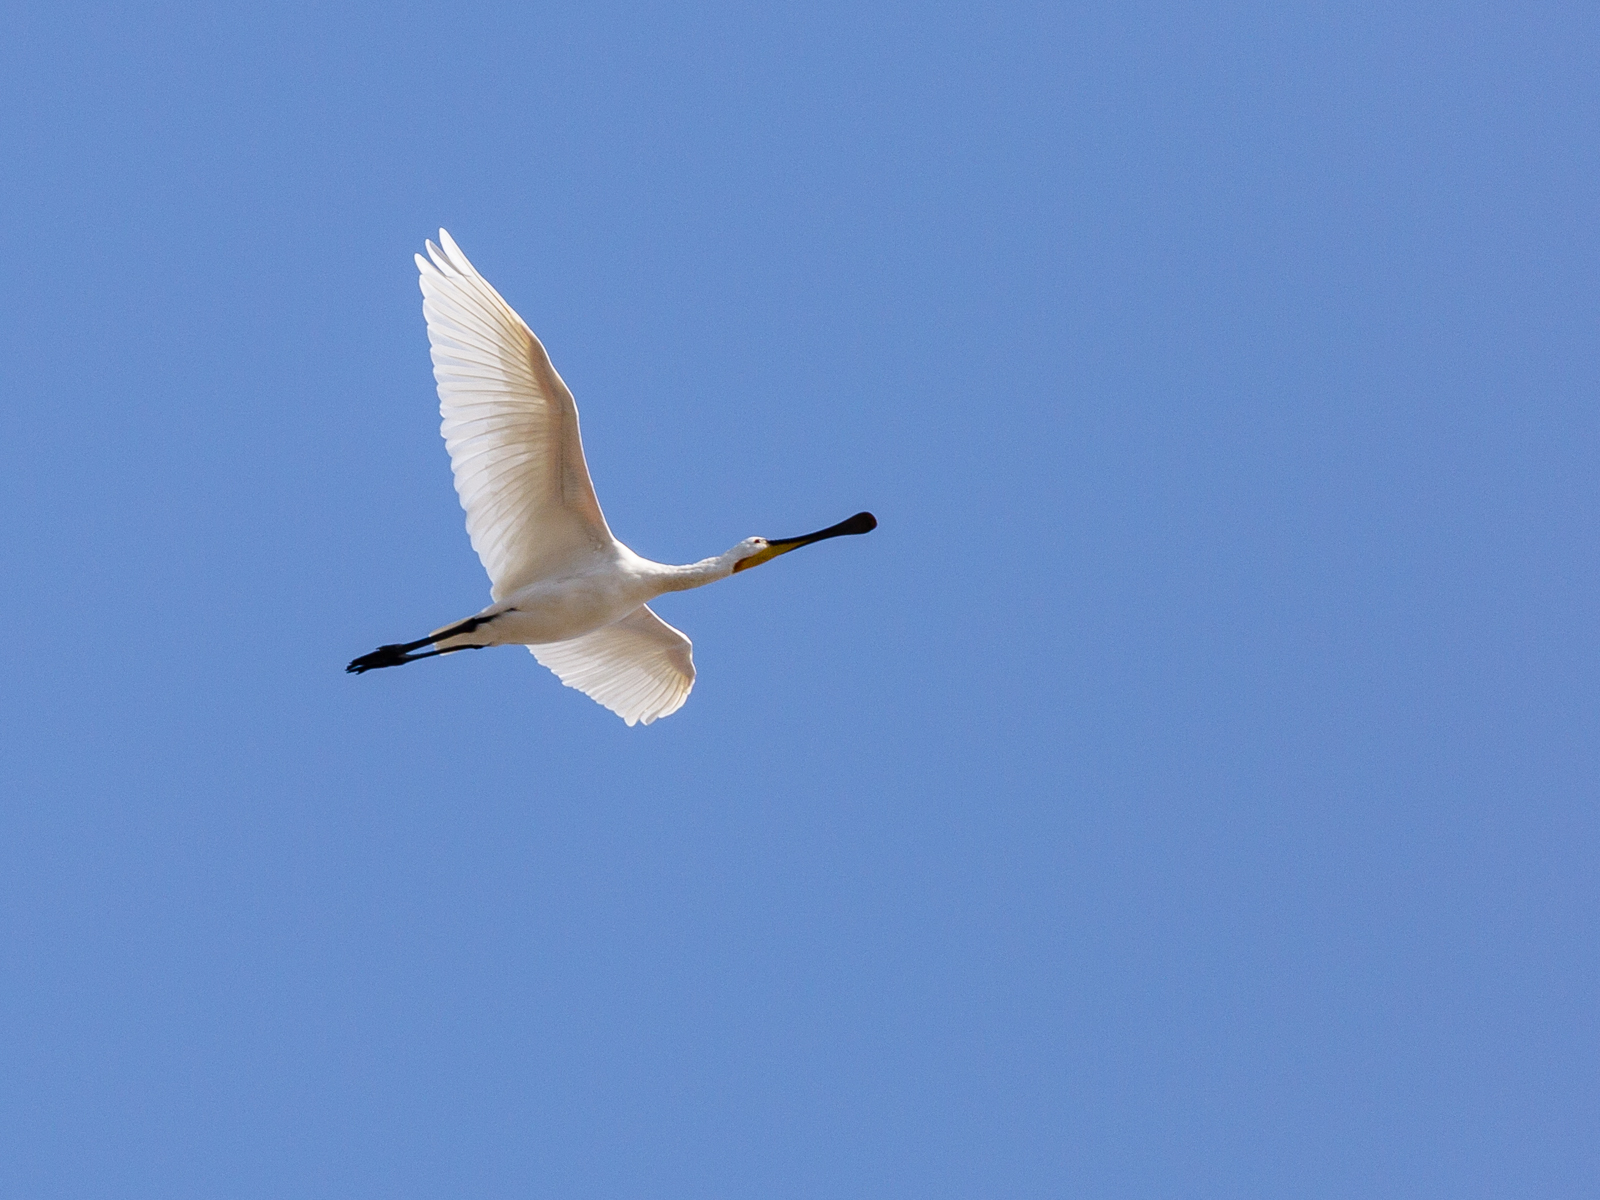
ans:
x=397 y=654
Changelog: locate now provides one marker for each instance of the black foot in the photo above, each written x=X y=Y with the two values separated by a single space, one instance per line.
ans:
x=383 y=656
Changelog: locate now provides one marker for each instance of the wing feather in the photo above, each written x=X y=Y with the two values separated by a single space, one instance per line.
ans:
x=640 y=667
x=511 y=427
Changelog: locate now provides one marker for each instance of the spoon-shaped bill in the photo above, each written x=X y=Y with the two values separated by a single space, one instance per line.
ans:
x=862 y=522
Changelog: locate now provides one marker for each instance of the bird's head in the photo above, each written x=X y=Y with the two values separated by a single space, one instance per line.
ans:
x=754 y=551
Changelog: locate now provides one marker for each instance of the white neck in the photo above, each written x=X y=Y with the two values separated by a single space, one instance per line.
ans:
x=693 y=575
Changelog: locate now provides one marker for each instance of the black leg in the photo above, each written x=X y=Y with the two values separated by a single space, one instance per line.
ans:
x=398 y=656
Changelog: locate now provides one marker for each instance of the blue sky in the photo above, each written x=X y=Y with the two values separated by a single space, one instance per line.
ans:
x=1189 y=790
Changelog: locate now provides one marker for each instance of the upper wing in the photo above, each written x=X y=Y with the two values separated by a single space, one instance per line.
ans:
x=511 y=428
x=639 y=667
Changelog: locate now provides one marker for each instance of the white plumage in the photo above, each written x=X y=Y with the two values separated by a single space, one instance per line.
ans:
x=511 y=427
x=639 y=667
x=560 y=582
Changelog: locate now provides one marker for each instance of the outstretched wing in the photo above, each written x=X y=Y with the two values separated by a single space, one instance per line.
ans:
x=639 y=667
x=511 y=427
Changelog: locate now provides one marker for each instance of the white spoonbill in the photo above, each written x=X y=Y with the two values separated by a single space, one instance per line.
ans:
x=561 y=584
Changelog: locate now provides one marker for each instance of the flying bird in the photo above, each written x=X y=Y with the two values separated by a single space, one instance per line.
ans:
x=560 y=582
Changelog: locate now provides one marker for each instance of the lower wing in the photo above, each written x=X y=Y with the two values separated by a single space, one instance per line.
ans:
x=639 y=667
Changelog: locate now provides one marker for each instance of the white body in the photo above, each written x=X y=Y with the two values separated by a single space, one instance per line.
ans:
x=587 y=597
